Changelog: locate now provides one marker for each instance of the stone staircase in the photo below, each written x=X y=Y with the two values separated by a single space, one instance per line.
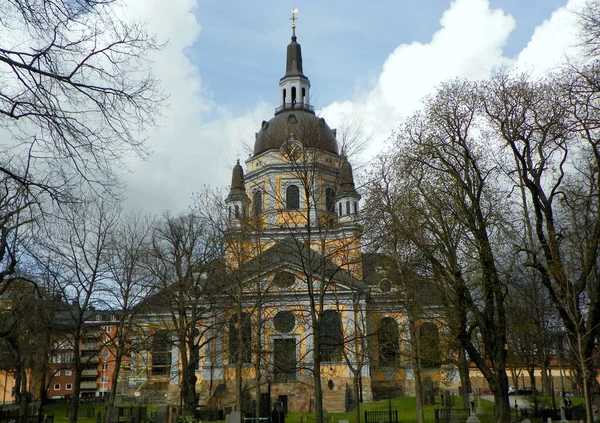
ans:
x=334 y=400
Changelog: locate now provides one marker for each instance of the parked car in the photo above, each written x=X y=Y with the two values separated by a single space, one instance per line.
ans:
x=525 y=391
x=512 y=390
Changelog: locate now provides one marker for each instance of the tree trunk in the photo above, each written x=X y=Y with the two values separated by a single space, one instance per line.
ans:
x=465 y=378
x=416 y=365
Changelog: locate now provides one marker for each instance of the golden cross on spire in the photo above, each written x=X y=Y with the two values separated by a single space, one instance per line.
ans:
x=293 y=18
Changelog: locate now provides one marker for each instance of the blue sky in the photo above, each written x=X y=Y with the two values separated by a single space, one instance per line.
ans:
x=240 y=51
x=368 y=65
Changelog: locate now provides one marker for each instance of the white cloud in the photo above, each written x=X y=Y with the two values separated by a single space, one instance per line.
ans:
x=468 y=44
x=553 y=42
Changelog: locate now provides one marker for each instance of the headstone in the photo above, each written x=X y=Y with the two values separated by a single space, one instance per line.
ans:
x=233 y=417
x=479 y=409
x=162 y=415
x=563 y=419
x=473 y=419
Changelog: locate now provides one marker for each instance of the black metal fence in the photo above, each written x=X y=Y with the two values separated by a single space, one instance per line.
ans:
x=390 y=416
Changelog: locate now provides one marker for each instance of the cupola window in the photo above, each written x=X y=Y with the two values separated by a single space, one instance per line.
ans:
x=330 y=200
x=293 y=96
x=292 y=197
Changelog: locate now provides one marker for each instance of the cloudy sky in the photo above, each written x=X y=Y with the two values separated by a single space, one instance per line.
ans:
x=371 y=65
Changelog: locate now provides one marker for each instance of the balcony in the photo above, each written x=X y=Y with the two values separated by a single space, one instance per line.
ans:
x=87 y=346
x=295 y=106
x=87 y=385
x=89 y=373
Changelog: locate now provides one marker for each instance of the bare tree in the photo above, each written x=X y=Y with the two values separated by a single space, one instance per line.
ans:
x=186 y=261
x=72 y=255
x=132 y=282
x=550 y=128
x=75 y=96
x=453 y=220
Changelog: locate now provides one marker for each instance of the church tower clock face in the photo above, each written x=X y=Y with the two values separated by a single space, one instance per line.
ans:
x=291 y=150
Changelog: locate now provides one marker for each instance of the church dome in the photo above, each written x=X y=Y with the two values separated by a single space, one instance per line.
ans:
x=299 y=124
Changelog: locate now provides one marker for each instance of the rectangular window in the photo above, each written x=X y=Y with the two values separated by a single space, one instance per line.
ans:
x=69 y=387
x=57 y=386
x=57 y=373
x=107 y=329
x=104 y=379
x=105 y=366
x=68 y=372
x=285 y=362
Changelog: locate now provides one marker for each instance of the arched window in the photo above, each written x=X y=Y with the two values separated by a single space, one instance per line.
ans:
x=429 y=345
x=257 y=202
x=348 y=208
x=237 y=211
x=161 y=352
x=303 y=95
x=340 y=207
x=330 y=200
x=331 y=336
x=388 y=341
x=356 y=207
x=284 y=96
x=293 y=95
x=240 y=339
x=292 y=197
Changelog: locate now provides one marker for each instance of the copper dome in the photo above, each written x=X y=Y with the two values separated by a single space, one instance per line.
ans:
x=302 y=125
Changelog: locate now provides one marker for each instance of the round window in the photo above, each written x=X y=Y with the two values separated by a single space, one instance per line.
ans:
x=284 y=279
x=385 y=285
x=284 y=322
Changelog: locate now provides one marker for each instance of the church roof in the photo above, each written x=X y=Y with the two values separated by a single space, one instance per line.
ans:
x=293 y=253
x=304 y=126
x=293 y=64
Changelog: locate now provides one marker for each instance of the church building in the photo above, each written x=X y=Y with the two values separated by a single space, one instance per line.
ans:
x=300 y=308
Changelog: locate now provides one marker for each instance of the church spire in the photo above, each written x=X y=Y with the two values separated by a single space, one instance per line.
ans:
x=294 y=86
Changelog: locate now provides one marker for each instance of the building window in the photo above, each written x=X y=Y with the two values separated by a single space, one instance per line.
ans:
x=340 y=207
x=68 y=372
x=106 y=329
x=57 y=373
x=104 y=366
x=348 y=207
x=237 y=211
x=57 y=386
x=104 y=379
x=292 y=197
x=356 y=207
x=69 y=387
x=161 y=352
x=429 y=345
x=331 y=336
x=388 y=341
x=257 y=201
x=240 y=339
x=330 y=200
x=284 y=359
x=284 y=322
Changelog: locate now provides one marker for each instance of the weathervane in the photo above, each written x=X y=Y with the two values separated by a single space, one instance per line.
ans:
x=293 y=19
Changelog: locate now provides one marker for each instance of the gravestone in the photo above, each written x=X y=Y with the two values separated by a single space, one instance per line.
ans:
x=162 y=415
x=233 y=417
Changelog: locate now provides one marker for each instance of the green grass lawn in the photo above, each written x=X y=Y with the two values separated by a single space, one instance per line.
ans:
x=406 y=407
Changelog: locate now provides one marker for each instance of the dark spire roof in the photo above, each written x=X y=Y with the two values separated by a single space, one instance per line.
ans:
x=293 y=65
x=238 y=186
x=347 y=179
